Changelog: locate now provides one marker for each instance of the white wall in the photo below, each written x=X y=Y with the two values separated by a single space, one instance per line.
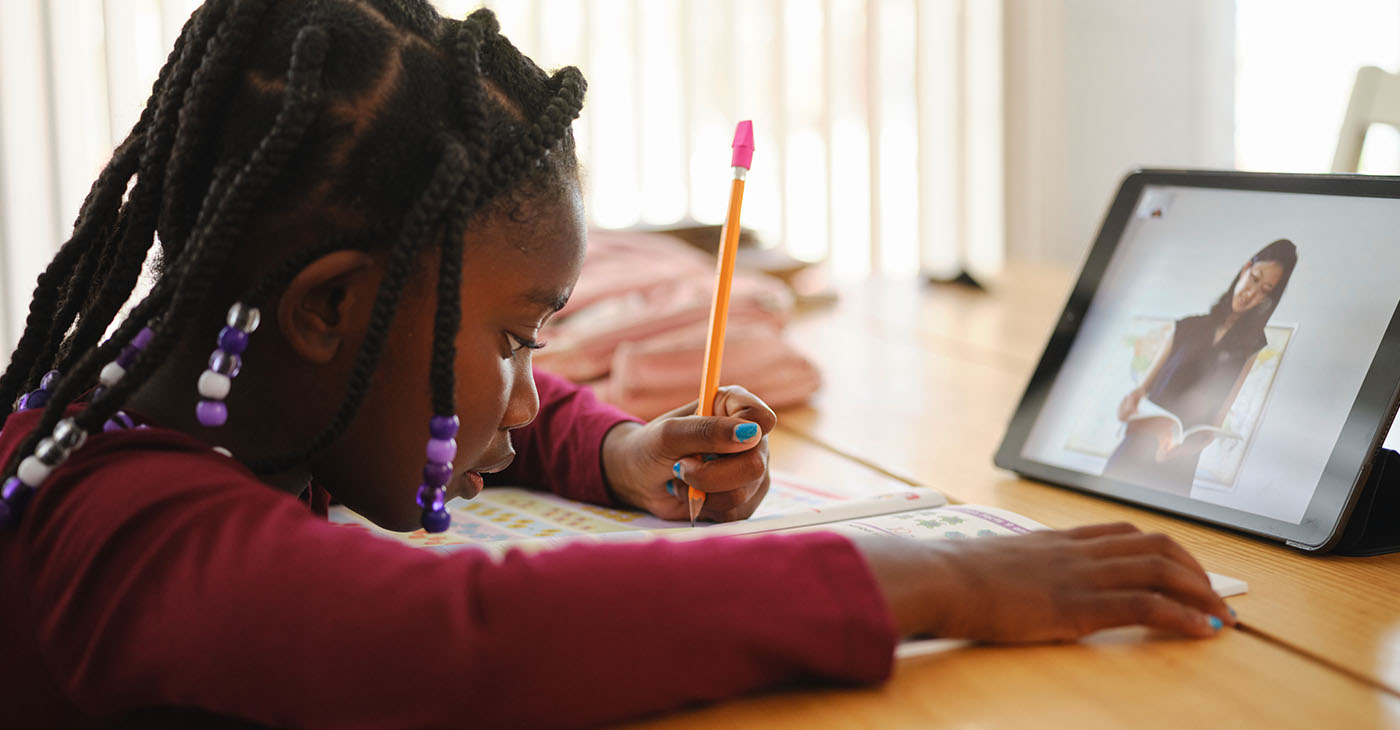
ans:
x=1095 y=88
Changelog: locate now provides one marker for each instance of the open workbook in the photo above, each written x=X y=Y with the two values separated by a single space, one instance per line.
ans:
x=506 y=518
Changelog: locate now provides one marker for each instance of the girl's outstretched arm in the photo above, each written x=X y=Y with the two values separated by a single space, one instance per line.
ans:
x=1045 y=586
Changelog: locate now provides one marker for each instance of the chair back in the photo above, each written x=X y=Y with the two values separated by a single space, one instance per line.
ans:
x=1375 y=99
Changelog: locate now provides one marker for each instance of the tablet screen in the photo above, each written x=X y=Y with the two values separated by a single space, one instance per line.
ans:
x=1225 y=345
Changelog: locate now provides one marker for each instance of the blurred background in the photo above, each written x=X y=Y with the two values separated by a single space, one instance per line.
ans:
x=899 y=138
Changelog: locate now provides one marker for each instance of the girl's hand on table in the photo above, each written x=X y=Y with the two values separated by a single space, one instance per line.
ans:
x=726 y=456
x=1046 y=586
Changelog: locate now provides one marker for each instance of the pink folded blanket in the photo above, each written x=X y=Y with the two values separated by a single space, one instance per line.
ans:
x=636 y=324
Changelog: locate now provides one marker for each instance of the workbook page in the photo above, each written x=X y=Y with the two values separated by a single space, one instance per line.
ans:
x=502 y=516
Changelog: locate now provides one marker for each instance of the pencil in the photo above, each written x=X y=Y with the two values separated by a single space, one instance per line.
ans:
x=724 y=280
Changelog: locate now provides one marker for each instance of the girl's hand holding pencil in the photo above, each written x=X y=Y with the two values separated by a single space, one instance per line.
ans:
x=725 y=456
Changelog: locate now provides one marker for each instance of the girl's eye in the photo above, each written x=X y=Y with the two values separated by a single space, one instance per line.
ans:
x=520 y=344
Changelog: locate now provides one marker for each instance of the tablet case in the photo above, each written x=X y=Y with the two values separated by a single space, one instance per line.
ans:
x=1374 y=525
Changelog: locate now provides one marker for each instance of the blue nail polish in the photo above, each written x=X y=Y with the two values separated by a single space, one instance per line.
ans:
x=676 y=468
x=745 y=431
x=1232 y=612
x=671 y=487
x=709 y=457
x=1215 y=623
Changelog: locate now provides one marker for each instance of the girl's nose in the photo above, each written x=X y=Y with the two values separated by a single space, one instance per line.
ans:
x=523 y=403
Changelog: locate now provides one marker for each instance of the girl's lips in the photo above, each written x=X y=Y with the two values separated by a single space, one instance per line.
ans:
x=473 y=486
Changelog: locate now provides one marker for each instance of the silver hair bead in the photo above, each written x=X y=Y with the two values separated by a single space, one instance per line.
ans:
x=68 y=434
x=49 y=452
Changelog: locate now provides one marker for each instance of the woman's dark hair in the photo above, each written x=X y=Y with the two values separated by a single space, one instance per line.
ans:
x=356 y=124
x=1281 y=252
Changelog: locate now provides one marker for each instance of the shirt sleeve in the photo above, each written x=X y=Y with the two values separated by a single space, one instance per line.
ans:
x=562 y=449
x=192 y=589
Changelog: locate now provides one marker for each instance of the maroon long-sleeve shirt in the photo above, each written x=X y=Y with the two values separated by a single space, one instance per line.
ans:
x=151 y=572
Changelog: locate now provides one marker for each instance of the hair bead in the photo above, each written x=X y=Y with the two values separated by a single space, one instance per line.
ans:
x=33 y=472
x=211 y=413
x=441 y=450
x=111 y=373
x=436 y=520
x=39 y=397
x=224 y=364
x=68 y=434
x=214 y=386
x=49 y=452
x=243 y=317
x=233 y=340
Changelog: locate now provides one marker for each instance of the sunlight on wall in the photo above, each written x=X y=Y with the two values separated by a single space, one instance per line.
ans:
x=1295 y=61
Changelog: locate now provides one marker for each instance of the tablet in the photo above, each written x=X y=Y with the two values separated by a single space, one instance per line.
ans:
x=1231 y=352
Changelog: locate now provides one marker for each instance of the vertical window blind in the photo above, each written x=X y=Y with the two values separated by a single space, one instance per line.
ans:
x=878 y=123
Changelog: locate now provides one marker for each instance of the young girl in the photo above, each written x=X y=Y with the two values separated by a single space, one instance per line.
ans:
x=366 y=213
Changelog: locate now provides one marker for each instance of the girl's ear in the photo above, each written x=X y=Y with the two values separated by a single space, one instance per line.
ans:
x=328 y=302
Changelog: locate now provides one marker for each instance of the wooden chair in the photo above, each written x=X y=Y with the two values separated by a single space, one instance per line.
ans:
x=1375 y=99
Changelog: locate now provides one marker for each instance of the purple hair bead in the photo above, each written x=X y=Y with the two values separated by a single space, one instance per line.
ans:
x=436 y=520
x=432 y=497
x=46 y=382
x=35 y=399
x=16 y=497
x=233 y=341
x=117 y=422
x=442 y=427
x=143 y=338
x=442 y=451
x=211 y=413
x=23 y=403
x=11 y=486
x=127 y=356
x=437 y=473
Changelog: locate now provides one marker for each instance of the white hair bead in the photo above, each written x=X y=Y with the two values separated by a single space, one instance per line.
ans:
x=214 y=386
x=111 y=373
x=33 y=472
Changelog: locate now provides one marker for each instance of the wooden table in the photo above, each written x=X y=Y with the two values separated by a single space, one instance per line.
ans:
x=920 y=383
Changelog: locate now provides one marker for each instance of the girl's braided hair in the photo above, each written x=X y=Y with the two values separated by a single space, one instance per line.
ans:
x=370 y=124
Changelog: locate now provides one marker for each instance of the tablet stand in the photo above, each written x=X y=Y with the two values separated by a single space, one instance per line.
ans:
x=1374 y=525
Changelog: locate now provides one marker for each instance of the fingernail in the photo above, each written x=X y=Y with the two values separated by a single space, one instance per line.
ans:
x=745 y=431
x=1215 y=623
x=676 y=468
x=1232 y=612
x=671 y=487
x=709 y=457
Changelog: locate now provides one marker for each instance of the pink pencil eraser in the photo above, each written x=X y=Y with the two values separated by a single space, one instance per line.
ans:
x=743 y=145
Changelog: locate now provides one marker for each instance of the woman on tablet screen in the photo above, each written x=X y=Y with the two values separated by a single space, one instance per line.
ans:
x=1197 y=376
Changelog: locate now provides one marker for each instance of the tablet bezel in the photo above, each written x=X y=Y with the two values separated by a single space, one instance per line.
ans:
x=1362 y=433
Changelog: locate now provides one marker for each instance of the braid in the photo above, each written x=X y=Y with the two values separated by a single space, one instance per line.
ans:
x=42 y=329
x=201 y=103
x=127 y=249
x=448 y=315
x=192 y=281
x=416 y=229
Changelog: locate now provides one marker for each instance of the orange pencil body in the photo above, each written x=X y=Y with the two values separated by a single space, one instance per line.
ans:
x=724 y=281
x=719 y=309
